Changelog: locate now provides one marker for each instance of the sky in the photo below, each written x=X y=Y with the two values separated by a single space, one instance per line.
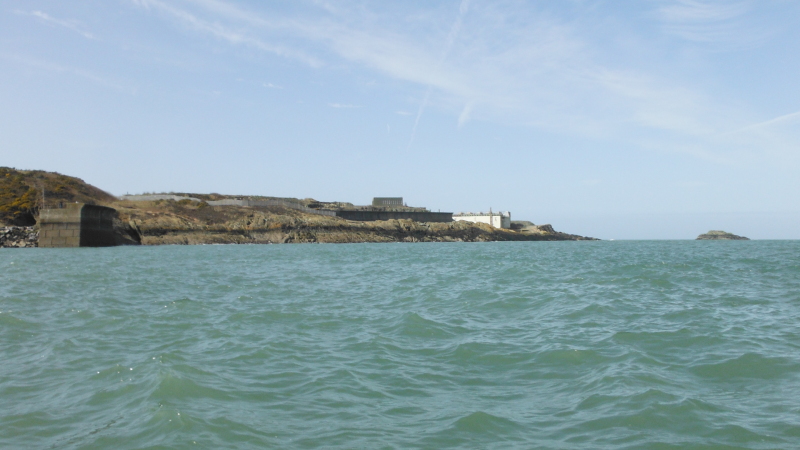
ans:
x=618 y=119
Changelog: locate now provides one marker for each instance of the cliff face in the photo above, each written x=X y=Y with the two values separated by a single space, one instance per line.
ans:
x=716 y=235
x=174 y=223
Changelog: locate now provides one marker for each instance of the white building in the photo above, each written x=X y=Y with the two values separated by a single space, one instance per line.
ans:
x=498 y=220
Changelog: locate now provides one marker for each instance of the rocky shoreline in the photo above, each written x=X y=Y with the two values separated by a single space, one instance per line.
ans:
x=236 y=225
x=19 y=237
x=216 y=219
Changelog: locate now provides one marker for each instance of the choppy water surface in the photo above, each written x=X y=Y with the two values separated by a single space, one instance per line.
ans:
x=563 y=345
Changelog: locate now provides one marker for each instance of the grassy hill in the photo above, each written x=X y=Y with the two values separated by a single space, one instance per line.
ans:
x=21 y=193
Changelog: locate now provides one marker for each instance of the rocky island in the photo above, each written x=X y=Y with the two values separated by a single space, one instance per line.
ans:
x=185 y=218
x=717 y=235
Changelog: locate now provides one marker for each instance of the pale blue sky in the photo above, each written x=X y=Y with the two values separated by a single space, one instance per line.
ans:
x=616 y=119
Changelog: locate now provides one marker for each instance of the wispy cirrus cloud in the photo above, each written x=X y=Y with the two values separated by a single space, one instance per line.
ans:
x=228 y=34
x=344 y=105
x=778 y=138
x=777 y=121
x=75 y=71
x=506 y=62
x=699 y=11
x=712 y=22
x=72 y=25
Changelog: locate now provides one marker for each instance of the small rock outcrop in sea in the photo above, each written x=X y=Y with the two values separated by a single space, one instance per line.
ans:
x=716 y=235
x=18 y=237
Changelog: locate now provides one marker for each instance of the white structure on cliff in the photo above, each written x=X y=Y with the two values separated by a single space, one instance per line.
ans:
x=498 y=220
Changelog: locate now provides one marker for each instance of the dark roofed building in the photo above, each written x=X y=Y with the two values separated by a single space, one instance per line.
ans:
x=387 y=201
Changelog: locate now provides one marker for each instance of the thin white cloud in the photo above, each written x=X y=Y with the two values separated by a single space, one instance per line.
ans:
x=504 y=61
x=71 y=25
x=780 y=120
x=225 y=33
x=60 y=68
x=777 y=139
x=711 y=22
x=421 y=109
x=451 y=39
x=465 y=113
x=702 y=11
x=344 y=105
x=272 y=86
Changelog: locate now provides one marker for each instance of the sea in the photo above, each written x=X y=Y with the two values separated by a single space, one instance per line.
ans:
x=498 y=345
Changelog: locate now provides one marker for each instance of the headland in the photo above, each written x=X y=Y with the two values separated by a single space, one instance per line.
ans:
x=190 y=218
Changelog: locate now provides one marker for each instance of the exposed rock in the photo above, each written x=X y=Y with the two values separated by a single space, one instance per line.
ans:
x=18 y=237
x=525 y=226
x=716 y=235
x=170 y=223
x=125 y=233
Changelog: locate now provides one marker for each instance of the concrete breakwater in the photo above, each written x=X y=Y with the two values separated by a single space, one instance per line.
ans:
x=19 y=237
x=77 y=225
x=81 y=225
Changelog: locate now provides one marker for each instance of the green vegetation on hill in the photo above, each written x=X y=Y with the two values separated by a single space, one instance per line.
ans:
x=21 y=193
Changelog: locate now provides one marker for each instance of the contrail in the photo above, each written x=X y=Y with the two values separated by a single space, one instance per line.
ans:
x=780 y=119
x=451 y=38
x=419 y=114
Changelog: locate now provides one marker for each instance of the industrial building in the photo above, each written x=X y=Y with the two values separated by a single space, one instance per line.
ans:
x=387 y=201
x=499 y=219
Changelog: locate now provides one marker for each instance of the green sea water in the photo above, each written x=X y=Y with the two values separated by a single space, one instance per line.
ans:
x=530 y=345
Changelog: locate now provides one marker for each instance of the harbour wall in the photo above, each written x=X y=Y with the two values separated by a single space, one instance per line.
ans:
x=155 y=197
x=232 y=202
x=77 y=225
x=283 y=203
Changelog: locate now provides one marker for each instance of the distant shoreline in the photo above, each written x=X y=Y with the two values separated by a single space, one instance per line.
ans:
x=191 y=219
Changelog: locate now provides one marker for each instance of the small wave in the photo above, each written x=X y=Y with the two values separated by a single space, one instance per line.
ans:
x=9 y=322
x=661 y=342
x=171 y=386
x=748 y=365
x=498 y=357
x=414 y=325
x=569 y=357
x=484 y=423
